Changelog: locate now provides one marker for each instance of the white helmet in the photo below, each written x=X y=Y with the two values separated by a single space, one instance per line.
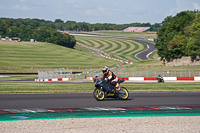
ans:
x=105 y=70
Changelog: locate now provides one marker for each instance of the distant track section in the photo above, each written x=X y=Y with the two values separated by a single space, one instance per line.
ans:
x=144 y=54
x=141 y=55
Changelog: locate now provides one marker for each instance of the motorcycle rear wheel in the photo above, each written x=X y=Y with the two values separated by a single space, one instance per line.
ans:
x=124 y=96
x=98 y=95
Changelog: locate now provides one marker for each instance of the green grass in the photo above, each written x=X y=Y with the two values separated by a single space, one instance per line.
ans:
x=41 y=87
x=18 y=76
x=38 y=87
x=154 y=55
x=22 y=56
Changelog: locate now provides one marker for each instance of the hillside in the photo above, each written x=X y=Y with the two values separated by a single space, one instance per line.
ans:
x=122 y=49
x=31 y=57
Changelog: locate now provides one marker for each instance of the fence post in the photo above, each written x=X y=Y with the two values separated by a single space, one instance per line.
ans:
x=163 y=74
x=38 y=74
x=189 y=70
x=138 y=71
x=117 y=71
x=91 y=72
x=127 y=72
x=85 y=73
x=149 y=71
x=174 y=70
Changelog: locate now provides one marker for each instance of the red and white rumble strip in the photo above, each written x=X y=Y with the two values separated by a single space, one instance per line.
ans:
x=155 y=78
x=56 y=79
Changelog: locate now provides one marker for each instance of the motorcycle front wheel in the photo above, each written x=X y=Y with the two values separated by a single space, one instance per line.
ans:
x=98 y=94
x=125 y=95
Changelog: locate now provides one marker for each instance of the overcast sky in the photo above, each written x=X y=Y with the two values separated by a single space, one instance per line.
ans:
x=97 y=11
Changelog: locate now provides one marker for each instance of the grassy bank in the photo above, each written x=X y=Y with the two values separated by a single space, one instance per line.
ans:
x=25 y=57
x=29 y=57
x=63 y=87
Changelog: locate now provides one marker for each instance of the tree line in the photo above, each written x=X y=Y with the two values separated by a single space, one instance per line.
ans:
x=59 y=24
x=47 y=31
x=179 y=36
x=39 y=30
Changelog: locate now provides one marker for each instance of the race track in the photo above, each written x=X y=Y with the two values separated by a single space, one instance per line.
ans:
x=78 y=100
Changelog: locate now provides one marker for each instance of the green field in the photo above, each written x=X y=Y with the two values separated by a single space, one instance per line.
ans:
x=52 y=87
x=23 y=57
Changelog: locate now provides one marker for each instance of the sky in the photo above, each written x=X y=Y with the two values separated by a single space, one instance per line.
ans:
x=97 y=11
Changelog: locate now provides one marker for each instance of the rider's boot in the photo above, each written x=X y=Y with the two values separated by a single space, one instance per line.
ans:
x=118 y=88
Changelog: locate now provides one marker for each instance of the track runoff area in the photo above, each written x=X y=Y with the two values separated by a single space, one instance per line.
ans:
x=97 y=112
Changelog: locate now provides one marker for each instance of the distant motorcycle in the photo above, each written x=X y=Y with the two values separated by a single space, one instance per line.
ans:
x=104 y=89
x=160 y=79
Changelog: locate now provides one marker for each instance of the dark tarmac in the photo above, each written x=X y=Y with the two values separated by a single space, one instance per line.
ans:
x=79 y=100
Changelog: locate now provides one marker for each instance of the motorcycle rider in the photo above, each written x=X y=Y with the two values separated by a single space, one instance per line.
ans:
x=108 y=75
x=160 y=79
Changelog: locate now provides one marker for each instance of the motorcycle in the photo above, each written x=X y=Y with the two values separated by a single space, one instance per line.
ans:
x=160 y=79
x=104 y=89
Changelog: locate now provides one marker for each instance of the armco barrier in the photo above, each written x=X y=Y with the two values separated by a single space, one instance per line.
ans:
x=155 y=78
x=56 y=79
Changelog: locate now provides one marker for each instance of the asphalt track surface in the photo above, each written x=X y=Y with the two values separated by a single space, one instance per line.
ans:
x=144 y=54
x=79 y=100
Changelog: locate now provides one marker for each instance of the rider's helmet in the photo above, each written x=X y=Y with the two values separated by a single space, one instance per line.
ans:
x=105 y=70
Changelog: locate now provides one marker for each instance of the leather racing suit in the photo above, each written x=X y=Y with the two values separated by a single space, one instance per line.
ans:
x=113 y=79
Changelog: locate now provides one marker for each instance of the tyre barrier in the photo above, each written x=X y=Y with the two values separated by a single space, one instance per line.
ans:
x=55 y=79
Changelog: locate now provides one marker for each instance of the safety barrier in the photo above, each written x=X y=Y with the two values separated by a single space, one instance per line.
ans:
x=133 y=79
x=55 y=79
x=155 y=78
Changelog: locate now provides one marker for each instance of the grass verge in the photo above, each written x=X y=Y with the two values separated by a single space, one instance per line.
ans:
x=18 y=76
x=64 y=87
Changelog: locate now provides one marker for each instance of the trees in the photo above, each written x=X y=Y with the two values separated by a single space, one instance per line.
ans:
x=25 y=32
x=3 y=29
x=192 y=32
x=41 y=34
x=59 y=24
x=59 y=21
x=52 y=36
x=171 y=41
x=39 y=30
